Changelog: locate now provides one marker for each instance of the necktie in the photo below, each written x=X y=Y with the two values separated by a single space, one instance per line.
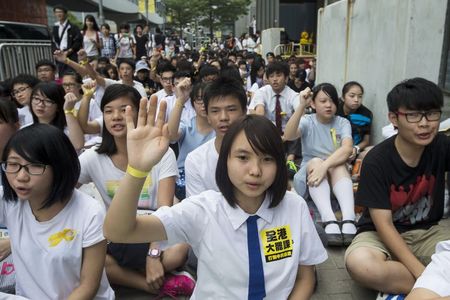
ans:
x=278 y=114
x=256 y=286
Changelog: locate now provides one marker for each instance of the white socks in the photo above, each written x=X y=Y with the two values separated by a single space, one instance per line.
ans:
x=321 y=197
x=343 y=190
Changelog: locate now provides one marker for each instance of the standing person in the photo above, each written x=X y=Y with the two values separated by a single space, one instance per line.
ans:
x=52 y=225
x=360 y=117
x=141 y=42
x=126 y=44
x=159 y=39
x=402 y=189
x=91 y=39
x=66 y=37
x=326 y=141
x=108 y=43
x=252 y=210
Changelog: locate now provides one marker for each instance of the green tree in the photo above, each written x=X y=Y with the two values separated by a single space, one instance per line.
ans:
x=217 y=13
x=209 y=13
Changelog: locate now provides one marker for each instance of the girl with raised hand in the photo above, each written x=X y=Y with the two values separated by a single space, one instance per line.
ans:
x=49 y=106
x=139 y=266
x=253 y=239
x=326 y=145
x=55 y=230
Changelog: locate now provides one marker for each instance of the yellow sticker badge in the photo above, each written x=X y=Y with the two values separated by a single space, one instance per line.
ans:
x=66 y=234
x=277 y=243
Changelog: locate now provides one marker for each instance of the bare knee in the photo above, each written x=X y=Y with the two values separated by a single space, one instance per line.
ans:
x=365 y=265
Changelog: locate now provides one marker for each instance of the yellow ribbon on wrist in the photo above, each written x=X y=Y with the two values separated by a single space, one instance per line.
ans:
x=72 y=112
x=84 y=62
x=137 y=173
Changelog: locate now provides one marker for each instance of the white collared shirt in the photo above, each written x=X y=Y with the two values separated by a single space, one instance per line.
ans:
x=218 y=236
x=200 y=169
x=265 y=96
x=63 y=39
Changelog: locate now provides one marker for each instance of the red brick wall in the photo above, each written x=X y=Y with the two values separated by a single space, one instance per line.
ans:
x=29 y=11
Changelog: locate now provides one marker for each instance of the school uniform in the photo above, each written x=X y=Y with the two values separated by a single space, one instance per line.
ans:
x=217 y=234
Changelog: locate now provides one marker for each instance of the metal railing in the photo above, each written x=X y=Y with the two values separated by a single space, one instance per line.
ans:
x=18 y=58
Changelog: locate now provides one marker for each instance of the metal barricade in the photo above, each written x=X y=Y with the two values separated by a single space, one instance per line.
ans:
x=18 y=58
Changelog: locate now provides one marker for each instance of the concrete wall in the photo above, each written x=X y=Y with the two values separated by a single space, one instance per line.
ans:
x=23 y=11
x=379 y=43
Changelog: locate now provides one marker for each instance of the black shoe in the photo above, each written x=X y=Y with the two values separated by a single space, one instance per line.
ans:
x=334 y=239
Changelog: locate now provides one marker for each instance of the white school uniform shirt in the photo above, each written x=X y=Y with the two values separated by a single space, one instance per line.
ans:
x=217 y=234
x=265 y=96
x=136 y=84
x=188 y=110
x=436 y=276
x=200 y=169
x=100 y=169
x=48 y=255
x=25 y=116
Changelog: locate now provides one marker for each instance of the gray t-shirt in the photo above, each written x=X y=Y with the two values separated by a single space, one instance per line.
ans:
x=319 y=140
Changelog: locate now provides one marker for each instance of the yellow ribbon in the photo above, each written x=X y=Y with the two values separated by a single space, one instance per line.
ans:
x=66 y=234
x=333 y=137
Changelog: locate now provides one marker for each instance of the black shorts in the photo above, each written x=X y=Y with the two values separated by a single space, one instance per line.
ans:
x=131 y=256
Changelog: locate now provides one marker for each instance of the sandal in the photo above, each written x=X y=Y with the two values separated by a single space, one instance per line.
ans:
x=334 y=239
x=347 y=237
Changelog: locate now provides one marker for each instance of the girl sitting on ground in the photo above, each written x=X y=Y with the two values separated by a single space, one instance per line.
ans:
x=55 y=230
x=252 y=239
x=326 y=145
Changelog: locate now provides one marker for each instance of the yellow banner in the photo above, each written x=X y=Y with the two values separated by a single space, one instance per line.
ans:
x=151 y=6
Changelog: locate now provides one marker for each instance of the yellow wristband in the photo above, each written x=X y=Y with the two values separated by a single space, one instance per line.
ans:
x=72 y=112
x=67 y=60
x=179 y=104
x=137 y=173
x=84 y=62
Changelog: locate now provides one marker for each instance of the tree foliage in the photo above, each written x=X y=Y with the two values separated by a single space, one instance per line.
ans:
x=209 y=13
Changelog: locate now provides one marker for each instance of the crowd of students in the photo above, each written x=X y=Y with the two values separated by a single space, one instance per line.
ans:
x=192 y=158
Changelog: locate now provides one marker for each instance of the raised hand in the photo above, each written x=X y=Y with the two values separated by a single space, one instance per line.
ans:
x=89 y=88
x=183 y=89
x=305 y=97
x=60 y=56
x=147 y=141
x=70 y=101
x=82 y=55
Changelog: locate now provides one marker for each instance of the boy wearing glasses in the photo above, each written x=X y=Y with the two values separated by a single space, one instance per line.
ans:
x=402 y=190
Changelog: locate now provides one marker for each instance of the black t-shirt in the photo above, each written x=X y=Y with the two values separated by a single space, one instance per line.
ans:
x=292 y=85
x=140 y=45
x=361 y=120
x=415 y=195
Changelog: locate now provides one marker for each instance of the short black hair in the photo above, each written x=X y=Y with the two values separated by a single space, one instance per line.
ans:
x=301 y=75
x=27 y=79
x=270 y=54
x=45 y=62
x=8 y=112
x=113 y=92
x=127 y=61
x=106 y=25
x=124 y=26
x=103 y=59
x=61 y=7
x=45 y=144
x=328 y=89
x=207 y=70
x=56 y=93
x=415 y=94
x=347 y=86
x=225 y=86
x=264 y=138
x=277 y=67
x=165 y=66
x=199 y=86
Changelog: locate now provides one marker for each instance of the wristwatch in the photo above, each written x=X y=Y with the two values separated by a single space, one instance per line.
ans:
x=357 y=149
x=154 y=253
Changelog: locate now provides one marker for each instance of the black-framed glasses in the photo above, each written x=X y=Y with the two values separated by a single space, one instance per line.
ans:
x=19 y=91
x=37 y=100
x=416 y=117
x=32 y=169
